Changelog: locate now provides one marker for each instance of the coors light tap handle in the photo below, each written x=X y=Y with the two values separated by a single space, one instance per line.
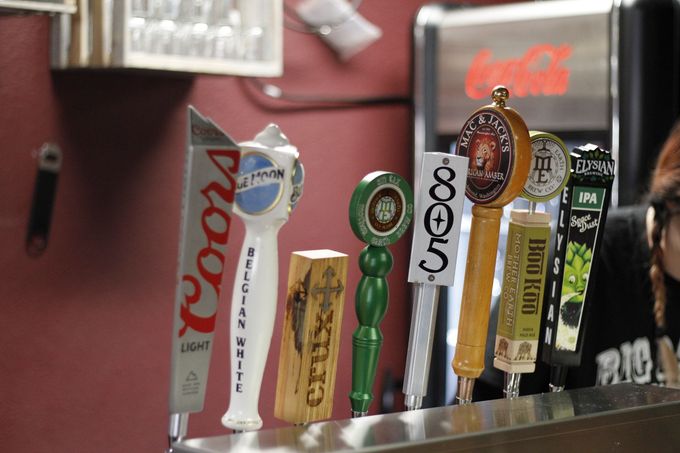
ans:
x=433 y=260
x=269 y=185
x=496 y=141
x=583 y=212
x=526 y=256
x=210 y=173
x=380 y=211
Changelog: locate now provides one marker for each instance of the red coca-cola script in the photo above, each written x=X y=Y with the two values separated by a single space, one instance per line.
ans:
x=219 y=196
x=539 y=72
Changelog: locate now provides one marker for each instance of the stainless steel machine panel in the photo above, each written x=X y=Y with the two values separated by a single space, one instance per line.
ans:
x=556 y=51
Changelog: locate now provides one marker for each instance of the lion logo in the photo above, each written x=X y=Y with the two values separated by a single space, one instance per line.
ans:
x=485 y=156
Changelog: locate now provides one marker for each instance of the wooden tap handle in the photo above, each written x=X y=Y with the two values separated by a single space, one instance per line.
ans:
x=311 y=336
x=468 y=360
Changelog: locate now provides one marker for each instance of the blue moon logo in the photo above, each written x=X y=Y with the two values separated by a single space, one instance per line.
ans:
x=260 y=184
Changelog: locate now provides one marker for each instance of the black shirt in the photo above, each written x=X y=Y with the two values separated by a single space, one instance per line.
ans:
x=621 y=333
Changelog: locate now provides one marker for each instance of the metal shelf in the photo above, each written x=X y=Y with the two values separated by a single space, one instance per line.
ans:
x=621 y=418
x=109 y=34
x=37 y=6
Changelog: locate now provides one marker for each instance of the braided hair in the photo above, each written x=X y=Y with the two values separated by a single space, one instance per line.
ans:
x=664 y=198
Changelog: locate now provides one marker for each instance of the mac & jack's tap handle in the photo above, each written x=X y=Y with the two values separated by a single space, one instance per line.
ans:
x=468 y=360
x=526 y=256
x=269 y=185
x=496 y=141
x=433 y=260
x=380 y=211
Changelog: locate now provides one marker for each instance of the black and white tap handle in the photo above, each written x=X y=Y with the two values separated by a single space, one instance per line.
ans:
x=439 y=208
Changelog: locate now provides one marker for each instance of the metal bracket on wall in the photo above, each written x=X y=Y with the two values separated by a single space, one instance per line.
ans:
x=49 y=164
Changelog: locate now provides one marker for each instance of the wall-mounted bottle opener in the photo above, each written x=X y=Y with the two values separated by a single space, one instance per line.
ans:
x=49 y=164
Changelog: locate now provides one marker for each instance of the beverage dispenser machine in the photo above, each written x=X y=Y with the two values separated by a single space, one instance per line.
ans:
x=590 y=71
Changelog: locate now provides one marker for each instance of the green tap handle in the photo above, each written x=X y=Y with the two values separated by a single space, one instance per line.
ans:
x=380 y=211
x=371 y=300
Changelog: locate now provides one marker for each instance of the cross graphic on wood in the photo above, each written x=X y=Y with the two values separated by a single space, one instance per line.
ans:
x=329 y=273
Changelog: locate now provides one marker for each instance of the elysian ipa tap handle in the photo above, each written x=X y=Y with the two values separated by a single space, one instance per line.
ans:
x=526 y=256
x=380 y=211
x=269 y=185
x=496 y=141
x=583 y=212
x=434 y=249
x=211 y=168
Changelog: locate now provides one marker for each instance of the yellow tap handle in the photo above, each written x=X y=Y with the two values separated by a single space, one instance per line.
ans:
x=479 y=269
x=496 y=140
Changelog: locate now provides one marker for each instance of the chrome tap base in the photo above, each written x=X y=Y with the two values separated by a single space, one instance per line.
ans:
x=465 y=386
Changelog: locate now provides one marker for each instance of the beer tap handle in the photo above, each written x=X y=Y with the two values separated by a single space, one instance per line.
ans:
x=371 y=300
x=269 y=184
x=253 y=310
x=311 y=336
x=434 y=250
x=526 y=263
x=580 y=226
x=468 y=361
x=496 y=141
x=380 y=211
x=211 y=168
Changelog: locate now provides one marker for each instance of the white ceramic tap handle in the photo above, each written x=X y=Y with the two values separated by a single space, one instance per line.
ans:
x=255 y=288
x=269 y=186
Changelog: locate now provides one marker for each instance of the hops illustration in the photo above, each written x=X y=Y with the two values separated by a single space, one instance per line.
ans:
x=574 y=282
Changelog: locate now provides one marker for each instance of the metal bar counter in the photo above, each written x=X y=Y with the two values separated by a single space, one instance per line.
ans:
x=617 y=418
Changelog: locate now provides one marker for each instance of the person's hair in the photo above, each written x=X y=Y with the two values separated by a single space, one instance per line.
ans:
x=664 y=194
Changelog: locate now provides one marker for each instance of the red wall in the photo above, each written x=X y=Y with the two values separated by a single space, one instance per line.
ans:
x=85 y=329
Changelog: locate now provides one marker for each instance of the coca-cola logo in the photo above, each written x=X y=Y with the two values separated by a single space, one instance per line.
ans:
x=215 y=222
x=539 y=72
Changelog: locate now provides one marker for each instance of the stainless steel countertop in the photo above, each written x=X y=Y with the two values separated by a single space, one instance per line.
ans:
x=618 y=418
